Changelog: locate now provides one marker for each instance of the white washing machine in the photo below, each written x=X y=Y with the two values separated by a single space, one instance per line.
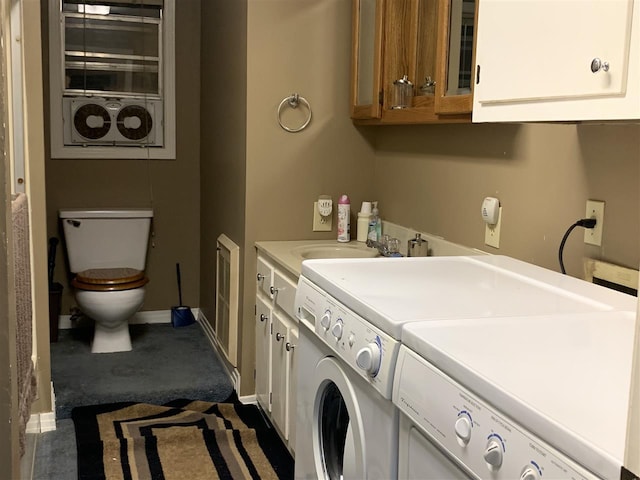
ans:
x=356 y=309
x=342 y=423
x=529 y=398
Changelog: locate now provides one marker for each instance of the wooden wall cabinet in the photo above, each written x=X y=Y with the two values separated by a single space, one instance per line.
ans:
x=426 y=40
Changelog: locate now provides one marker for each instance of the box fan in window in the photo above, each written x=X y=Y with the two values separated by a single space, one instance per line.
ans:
x=106 y=121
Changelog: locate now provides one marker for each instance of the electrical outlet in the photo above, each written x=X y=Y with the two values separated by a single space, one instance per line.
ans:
x=595 y=209
x=320 y=223
x=492 y=232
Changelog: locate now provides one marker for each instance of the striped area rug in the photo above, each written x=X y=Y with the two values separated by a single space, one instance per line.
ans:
x=182 y=439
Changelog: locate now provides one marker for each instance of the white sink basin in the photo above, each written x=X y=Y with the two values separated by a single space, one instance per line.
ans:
x=309 y=252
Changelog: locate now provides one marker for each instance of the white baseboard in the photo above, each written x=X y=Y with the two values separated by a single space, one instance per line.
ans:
x=43 y=422
x=232 y=372
x=150 y=316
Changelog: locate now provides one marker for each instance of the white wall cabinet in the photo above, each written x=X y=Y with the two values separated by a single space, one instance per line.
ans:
x=276 y=338
x=557 y=60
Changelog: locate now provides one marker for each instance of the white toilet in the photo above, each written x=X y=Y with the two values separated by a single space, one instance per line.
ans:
x=107 y=250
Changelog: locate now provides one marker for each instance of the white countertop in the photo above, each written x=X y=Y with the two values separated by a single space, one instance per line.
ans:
x=390 y=292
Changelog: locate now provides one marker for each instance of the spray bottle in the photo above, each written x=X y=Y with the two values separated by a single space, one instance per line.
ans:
x=344 y=219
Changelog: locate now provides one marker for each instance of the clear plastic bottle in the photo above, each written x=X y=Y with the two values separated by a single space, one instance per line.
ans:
x=344 y=219
x=375 y=225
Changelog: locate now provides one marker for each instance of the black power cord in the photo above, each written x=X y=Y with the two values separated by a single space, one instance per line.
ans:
x=585 y=223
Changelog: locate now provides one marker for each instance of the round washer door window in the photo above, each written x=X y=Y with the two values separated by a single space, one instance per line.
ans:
x=338 y=437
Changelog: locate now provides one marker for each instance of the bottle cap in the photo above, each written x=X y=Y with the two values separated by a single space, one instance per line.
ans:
x=344 y=199
x=366 y=208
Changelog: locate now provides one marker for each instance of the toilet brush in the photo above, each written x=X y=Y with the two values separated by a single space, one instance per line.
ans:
x=181 y=315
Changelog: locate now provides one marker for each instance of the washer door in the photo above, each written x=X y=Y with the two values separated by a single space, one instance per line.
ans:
x=338 y=431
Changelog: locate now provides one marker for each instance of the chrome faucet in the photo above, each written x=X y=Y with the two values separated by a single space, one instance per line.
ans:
x=387 y=248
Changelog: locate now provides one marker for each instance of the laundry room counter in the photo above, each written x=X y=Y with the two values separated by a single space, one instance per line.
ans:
x=290 y=253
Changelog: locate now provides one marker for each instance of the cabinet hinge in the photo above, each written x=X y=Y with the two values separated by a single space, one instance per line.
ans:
x=271 y=329
x=270 y=397
x=381 y=97
x=255 y=309
x=477 y=74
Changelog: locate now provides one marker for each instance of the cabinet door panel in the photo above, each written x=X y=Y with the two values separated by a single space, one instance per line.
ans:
x=366 y=59
x=293 y=375
x=279 y=373
x=543 y=49
x=263 y=353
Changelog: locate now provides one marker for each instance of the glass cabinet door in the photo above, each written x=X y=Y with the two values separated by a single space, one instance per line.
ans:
x=366 y=59
x=455 y=77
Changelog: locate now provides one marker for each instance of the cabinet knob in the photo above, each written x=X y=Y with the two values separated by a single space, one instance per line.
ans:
x=260 y=277
x=263 y=317
x=279 y=336
x=273 y=290
x=289 y=346
x=597 y=65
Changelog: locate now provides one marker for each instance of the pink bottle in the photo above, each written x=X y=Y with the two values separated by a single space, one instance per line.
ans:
x=344 y=219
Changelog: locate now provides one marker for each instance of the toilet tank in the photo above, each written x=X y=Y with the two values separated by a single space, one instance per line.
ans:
x=106 y=238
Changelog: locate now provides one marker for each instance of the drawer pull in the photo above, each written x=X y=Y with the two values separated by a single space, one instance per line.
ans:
x=260 y=277
x=289 y=346
x=279 y=336
x=273 y=290
x=263 y=317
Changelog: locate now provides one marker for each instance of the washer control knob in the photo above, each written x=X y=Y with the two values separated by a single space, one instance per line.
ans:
x=325 y=321
x=529 y=473
x=337 y=329
x=463 y=429
x=493 y=454
x=368 y=359
x=352 y=339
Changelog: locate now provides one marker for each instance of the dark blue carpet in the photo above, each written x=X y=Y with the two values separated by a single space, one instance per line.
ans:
x=166 y=363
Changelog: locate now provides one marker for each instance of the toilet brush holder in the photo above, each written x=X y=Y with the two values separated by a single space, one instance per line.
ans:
x=181 y=316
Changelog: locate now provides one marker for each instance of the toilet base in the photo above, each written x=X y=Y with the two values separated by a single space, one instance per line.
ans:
x=110 y=340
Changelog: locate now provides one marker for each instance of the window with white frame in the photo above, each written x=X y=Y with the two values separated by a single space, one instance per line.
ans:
x=112 y=78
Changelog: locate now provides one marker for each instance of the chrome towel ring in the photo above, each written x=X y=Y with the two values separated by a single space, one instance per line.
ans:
x=294 y=100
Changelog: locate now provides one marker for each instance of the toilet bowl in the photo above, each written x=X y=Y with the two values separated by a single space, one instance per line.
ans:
x=107 y=249
x=110 y=296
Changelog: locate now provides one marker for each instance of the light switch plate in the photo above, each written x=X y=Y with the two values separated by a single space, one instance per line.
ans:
x=492 y=232
x=320 y=223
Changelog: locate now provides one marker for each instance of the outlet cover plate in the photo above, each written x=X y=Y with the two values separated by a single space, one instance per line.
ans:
x=492 y=232
x=320 y=223
x=595 y=209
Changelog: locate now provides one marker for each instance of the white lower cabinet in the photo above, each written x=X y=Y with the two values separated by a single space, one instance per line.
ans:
x=276 y=337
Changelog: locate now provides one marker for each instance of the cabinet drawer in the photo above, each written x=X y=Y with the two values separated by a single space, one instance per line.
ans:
x=285 y=292
x=264 y=276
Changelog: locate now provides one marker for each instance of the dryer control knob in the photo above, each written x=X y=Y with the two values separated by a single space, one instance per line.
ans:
x=529 y=473
x=463 y=430
x=337 y=329
x=368 y=359
x=493 y=455
x=325 y=321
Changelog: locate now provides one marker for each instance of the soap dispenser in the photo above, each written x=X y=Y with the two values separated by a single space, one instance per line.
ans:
x=417 y=247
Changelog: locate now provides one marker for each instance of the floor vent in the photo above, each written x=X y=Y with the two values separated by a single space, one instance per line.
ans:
x=227 y=297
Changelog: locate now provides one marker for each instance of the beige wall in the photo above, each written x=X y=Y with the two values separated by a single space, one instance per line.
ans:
x=223 y=138
x=433 y=178
x=171 y=187
x=296 y=46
